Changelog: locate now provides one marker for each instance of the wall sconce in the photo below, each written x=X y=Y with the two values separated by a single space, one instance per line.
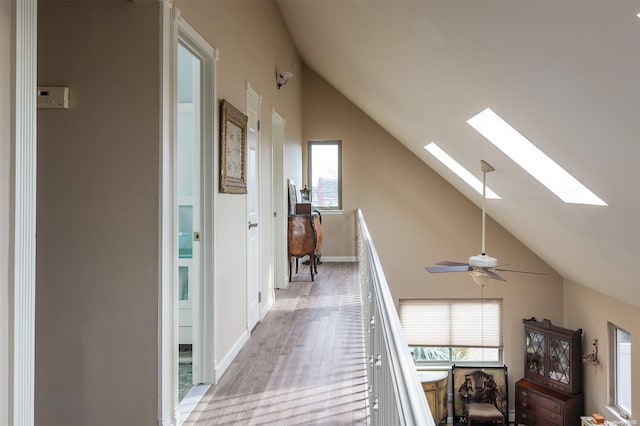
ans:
x=282 y=77
x=592 y=358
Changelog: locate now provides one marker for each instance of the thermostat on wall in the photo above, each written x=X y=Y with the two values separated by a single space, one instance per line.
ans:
x=53 y=97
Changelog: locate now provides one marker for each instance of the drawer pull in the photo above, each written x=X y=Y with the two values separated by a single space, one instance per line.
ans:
x=524 y=415
x=524 y=393
x=524 y=404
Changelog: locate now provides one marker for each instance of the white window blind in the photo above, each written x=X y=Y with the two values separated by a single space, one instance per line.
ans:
x=452 y=322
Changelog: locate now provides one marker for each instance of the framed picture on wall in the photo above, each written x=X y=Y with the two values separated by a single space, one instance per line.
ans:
x=233 y=149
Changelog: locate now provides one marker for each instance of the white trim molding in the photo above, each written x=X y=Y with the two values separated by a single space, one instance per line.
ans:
x=278 y=201
x=190 y=401
x=167 y=355
x=330 y=259
x=330 y=212
x=265 y=310
x=186 y=35
x=226 y=361
x=173 y=27
x=22 y=251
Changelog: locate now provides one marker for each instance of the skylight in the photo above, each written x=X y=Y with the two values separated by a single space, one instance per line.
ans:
x=456 y=168
x=530 y=158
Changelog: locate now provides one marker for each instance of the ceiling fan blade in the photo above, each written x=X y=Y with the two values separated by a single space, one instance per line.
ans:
x=494 y=276
x=522 y=272
x=452 y=263
x=455 y=268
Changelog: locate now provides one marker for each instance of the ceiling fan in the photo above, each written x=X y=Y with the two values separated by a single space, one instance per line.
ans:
x=481 y=267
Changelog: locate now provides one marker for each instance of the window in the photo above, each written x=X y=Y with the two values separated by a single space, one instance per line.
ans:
x=532 y=159
x=453 y=330
x=620 y=370
x=325 y=174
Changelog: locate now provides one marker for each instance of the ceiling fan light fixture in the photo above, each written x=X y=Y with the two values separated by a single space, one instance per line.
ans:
x=483 y=261
x=480 y=278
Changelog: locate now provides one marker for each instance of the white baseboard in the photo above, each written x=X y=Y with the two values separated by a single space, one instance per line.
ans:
x=190 y=401
x=283 y=284
x=339 y=258
x=264 y=311
x=221 y=367
x=167 y=421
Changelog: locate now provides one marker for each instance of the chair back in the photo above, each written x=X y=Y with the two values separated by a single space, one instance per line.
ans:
x=479 y=387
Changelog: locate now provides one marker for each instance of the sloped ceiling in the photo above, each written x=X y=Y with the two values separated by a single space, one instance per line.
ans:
x=566 y=74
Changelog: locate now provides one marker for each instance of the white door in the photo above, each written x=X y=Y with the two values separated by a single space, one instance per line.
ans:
x=253 y=208
x=279 y=202
x=189 y=146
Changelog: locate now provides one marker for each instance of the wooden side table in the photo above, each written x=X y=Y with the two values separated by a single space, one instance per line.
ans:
x=434 y=385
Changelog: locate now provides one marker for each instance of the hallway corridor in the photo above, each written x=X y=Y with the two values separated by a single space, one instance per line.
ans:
x=304 y=364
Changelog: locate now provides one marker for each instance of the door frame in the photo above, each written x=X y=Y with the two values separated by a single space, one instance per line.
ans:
x=194 y=264
x=257 y=98
x=278 y=201
x=174 y=26
x=18 y=224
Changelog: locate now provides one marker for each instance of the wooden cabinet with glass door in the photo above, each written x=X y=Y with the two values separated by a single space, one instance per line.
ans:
x=551 y=391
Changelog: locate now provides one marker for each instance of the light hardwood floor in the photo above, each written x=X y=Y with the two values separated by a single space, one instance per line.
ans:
x=304 y=364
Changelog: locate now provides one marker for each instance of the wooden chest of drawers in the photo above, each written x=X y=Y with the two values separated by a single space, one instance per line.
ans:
x=537 y=405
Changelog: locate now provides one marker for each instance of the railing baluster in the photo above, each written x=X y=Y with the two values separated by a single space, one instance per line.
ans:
x=395 y=393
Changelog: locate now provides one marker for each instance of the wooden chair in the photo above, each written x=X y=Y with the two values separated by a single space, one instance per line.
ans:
x=481 y=412
x=480 y=394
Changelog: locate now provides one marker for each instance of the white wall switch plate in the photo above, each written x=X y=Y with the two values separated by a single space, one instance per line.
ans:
x=53 y=97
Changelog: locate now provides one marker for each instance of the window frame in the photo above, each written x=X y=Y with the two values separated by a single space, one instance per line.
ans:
x=310 y=145
x=613 y=371
x=451 y=348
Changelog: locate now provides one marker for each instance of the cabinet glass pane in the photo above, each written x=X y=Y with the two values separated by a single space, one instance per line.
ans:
x=559 y=357
x=535 y=352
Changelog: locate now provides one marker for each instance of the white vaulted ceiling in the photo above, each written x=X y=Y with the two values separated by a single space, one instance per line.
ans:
x=566 y=74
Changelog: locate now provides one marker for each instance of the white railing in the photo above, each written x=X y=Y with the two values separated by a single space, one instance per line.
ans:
x=395 y=393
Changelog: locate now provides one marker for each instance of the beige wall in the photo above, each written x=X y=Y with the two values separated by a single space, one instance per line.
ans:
x=416 y=218
x=5 y=177
x=97 y=218
x=252 y=41
x=587 y=309
x=98 y=182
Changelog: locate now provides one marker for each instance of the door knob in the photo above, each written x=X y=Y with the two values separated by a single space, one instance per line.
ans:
x=253 y=225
